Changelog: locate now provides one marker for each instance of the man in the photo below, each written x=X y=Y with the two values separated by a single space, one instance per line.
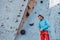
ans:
x=43 y=28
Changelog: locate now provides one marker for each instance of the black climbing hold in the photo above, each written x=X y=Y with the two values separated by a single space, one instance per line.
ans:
x=7 y=18
x=27 y=14
x=22 y=5
x=10 y=1
x=29 y=7
x=33 y=8
x=18 y=15
x=23 y=32
x=58 y=12
x=24 y=0
x=58 y=4
x=20 y=10
x=41 y=1
x=2 y=24
x=16 y=20
x=35 y=12
x=10 y=27
x=31 y=24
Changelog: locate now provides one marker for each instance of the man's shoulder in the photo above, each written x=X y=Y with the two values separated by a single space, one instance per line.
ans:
x=45 y=19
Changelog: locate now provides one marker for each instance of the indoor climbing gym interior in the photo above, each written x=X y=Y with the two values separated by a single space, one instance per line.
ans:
x=19 y=19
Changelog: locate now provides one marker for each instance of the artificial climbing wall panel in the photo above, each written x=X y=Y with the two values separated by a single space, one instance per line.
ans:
x=55 y=22
x=31 y=25
x=11 y=13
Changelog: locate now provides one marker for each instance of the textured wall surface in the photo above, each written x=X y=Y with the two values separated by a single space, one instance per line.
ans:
x=11 y=12
x=52 y=14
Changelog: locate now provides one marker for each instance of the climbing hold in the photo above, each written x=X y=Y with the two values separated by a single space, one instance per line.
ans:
x=23 y=32
x=7 y=18
x=2 y=25
x=24 y=0
x=29 y=7
x=58 y=4
x=58 y=12
x=20 y=10
x=10 y=1
x=18 y=15
x=41 y=1
x=33 y=8
x=16 y=21
x=22 y=5
x=35 y=12
x=27 y=14
x=17 y=29
x=31 y=24
x=11 y=27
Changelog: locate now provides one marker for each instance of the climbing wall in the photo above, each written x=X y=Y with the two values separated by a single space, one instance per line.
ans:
x=55 y=22
x=11 y=13
x=31 y=25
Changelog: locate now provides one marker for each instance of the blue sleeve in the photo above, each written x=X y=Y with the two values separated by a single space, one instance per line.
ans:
x=46 y=26
x=39 y=25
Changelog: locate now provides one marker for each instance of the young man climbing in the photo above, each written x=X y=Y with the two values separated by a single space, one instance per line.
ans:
x=43 y=28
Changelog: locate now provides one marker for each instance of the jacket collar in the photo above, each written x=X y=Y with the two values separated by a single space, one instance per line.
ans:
x=42 y=19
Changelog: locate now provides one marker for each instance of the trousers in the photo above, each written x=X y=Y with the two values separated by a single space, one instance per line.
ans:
x=44 y=35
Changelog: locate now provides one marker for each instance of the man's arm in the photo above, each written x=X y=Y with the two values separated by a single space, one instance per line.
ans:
x=39 y=26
